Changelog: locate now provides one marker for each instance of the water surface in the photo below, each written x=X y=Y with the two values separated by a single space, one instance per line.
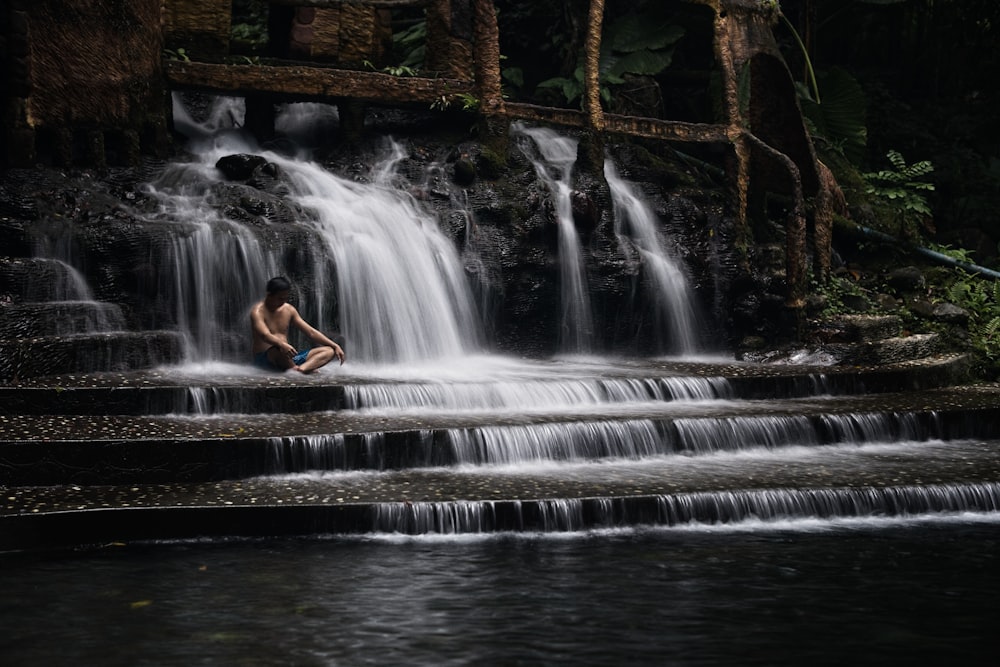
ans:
x=871 y=591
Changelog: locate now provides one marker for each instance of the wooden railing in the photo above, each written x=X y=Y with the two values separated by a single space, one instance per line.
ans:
x=733 y=50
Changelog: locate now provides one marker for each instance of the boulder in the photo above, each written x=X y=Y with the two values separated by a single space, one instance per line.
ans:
x=907 y=279
x=239 y=167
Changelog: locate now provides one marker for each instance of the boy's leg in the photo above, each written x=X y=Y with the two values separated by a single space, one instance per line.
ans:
x=317 y=358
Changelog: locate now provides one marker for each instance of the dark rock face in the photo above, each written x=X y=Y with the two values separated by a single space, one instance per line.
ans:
x=506 y=234
x=241 y=167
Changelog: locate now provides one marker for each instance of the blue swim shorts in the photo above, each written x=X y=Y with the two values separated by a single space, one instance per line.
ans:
x=260 y=360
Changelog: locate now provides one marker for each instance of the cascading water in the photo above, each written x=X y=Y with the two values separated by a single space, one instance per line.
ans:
x=371 y=263
x=635 y=222
x=400 y=283
x=384 y=275
x=558 y=154
x=213 y=266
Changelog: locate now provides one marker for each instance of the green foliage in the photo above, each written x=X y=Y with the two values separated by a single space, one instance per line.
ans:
x=393 y=70
x=841 y=118
x=635 y=44
x=178 y=54
x=901 y=192
x=958 y=254
x=840 y=295
x=249 y=24
x=981 y=298
x=410 y=45
x=252 y=33
x=467 y=101
x=802 y=47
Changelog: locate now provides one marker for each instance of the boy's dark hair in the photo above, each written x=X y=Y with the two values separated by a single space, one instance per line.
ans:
x=278 y=284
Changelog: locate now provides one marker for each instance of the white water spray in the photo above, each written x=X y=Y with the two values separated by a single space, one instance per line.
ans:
x=381 y=271
x=559 y=153
x=635 y=221
x=401 y=289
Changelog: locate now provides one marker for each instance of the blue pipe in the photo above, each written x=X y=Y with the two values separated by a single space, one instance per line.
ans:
x=932 y=254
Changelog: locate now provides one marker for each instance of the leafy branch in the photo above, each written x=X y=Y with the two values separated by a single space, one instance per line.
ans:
x=902 y=190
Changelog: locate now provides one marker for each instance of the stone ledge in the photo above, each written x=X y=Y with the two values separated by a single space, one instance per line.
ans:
x=53 y=355
x=98 y=527
x=86 y=451
x=164 y=390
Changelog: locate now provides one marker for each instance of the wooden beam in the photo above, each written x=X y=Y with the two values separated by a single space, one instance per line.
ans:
x=303 y=82
x=650 y=128
x=327 y=4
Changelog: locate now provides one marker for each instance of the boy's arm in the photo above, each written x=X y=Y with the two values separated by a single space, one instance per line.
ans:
x=316 y=336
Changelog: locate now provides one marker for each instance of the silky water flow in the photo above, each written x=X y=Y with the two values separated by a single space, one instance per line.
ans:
x=628 y=514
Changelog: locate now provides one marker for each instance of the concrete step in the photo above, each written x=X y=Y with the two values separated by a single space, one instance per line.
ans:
x=86 y=450
x=22 y=358
x=59 y=318
x=861 y=328
x=875 y=482
x=175 y=390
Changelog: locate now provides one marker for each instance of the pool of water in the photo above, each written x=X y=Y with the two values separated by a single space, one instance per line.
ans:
x=869 y=591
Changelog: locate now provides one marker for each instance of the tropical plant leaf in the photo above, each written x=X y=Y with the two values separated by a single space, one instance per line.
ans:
x=841 y=118
x=647 y=63
x=635 y=32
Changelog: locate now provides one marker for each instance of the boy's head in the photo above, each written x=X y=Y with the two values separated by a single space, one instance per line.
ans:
x=278 y=284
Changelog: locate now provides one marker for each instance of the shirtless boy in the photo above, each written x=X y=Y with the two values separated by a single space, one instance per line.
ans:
x=270 y=320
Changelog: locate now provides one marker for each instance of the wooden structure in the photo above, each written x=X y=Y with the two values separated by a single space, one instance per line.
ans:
x=463 y=43
x=87 y=73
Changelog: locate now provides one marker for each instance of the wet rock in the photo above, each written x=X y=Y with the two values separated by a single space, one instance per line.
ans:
x=950 y=313
x=753 y=343
x=586 y=212
x=907 y=279
x=239 y=167
x=887 y=302
x=921 y=308
x=465 y=171
x=856 y=303
x=816 y=303
x=889 y=350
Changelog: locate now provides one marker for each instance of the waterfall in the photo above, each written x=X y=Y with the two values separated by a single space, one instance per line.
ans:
x=378 y=269
x=213 y=269
x=636 y=222
x=686 y=509
x=558 y=153
x=401 y=288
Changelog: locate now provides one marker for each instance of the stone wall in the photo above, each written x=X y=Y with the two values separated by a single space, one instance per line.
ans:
x=82 y=81
x=347 y=35
x=202 y=27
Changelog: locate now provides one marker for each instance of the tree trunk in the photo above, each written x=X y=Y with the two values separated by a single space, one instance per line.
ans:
x=487 y=55
x=590 y=152
x=592 y=67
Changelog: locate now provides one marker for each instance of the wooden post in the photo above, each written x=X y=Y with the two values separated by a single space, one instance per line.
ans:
x=493 y=124
x=590 y=152
x=734 y=125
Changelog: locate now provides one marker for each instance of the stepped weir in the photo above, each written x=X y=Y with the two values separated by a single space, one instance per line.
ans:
x=168 y=435
x=678 y=488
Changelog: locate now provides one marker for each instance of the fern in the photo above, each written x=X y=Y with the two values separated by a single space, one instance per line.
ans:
x=901 y=191
x=992 y=328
